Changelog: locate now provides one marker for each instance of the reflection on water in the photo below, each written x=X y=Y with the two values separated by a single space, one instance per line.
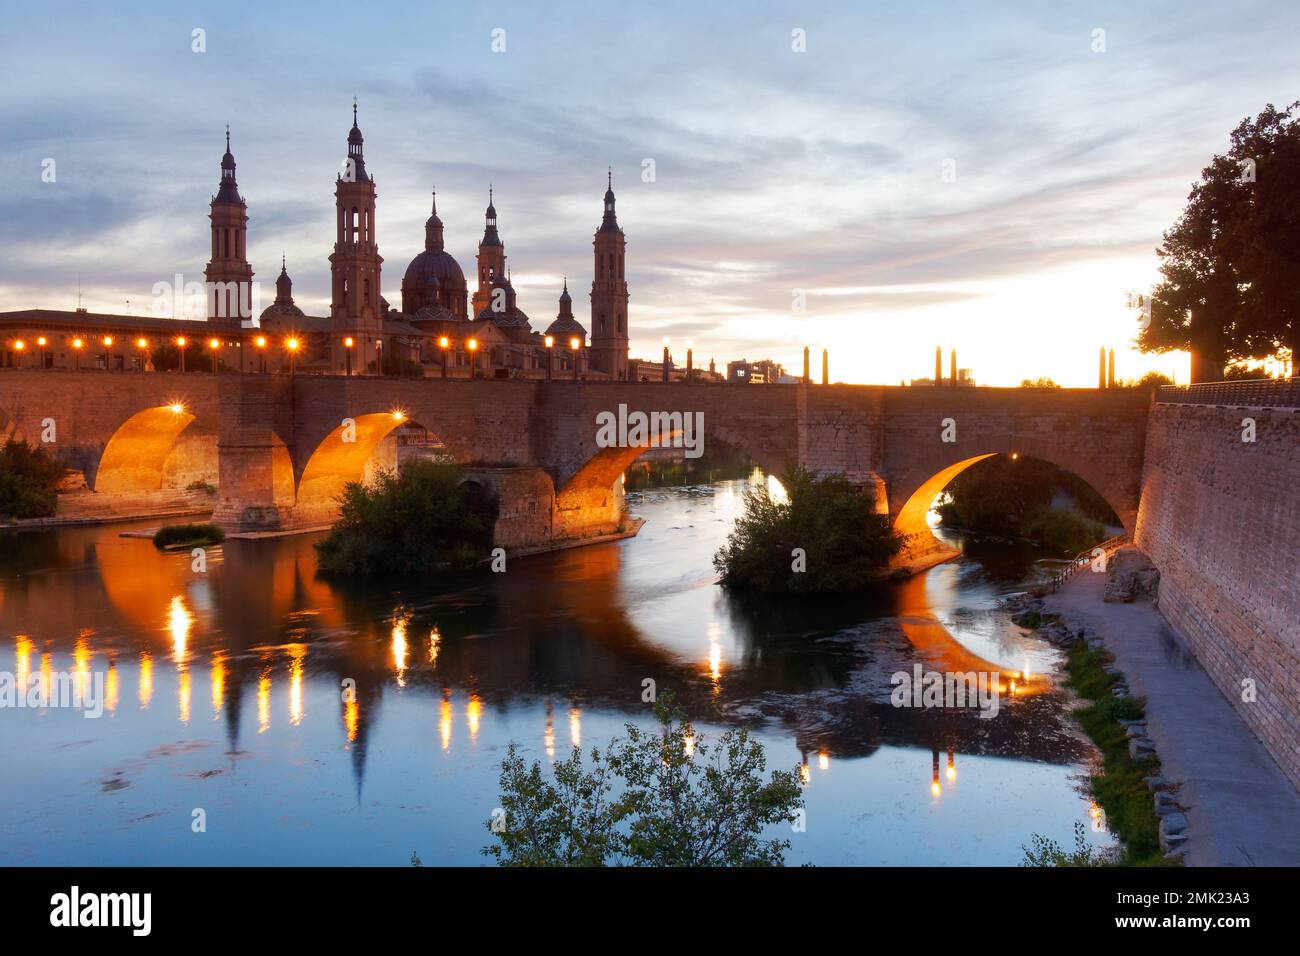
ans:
x=342 y=724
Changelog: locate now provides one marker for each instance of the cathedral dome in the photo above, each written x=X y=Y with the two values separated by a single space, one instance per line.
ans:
x=435 y=265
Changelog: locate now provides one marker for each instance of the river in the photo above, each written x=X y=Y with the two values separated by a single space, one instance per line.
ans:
x=223 y=700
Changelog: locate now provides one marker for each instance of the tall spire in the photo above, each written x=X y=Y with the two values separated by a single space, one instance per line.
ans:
x=490 y=237
x=610 y=222
x=228 y=191
x=356 y=156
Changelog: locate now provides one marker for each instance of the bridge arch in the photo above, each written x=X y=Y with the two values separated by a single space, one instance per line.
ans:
x=591 y=490
x=910 y=501
x=343 y=456
x=135 y=457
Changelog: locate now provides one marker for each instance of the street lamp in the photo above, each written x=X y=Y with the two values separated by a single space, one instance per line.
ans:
x=292 y=346
x=550 y=355
x=575 y=343
x=379 y=357
x=108 y=344
x=40 y=341
x=76 y=351
x=260 y=342
x=472 y=345
x=348 y=342
x=180 y=345
x=142 y=344
x=19 y=345
x=443 y=343
x=215 y=345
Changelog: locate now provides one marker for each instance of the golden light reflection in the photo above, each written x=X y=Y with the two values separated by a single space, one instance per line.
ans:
x=715 y=662
x=400 y=646
x=81 y=664
x=435 y=639
x=823 y=760
x=146 y=679
x=23 y=668
x=473 y=714
x=805 y=773
x=296 y=654
x=264 y=701
x=690 y=745
x=351 y=717
x=952 y=767
x=444 y=721
x=1098 y=817
x=179 y=622
x=575 y=726
x=218 y=679
x=112 y=690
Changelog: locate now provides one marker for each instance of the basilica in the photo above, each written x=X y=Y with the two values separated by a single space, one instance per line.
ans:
x=440 y=329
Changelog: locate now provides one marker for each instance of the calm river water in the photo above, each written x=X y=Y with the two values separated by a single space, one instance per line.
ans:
x=223 y=695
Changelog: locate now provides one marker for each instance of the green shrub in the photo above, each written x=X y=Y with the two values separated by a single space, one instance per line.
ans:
x=1120 y=788
x=1045 y=852
x=664 y=797
x=845 y=543
x=1062 y=530
x=28 y=478
x=177 y=535
x=419 y=520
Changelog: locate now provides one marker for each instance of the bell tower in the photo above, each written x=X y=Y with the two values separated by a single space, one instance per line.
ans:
x=609 y=295
x=491 y=259
x=355 y=263
x=229 y=277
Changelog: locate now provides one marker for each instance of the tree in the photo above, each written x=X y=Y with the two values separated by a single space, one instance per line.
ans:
x=1038 y=383
x=1152 y=379
x=666 y=797
x=1229 y=263
x=844 y=542
x=29 y=477
x=419 y=520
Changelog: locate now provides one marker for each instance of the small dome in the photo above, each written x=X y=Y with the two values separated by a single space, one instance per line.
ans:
x=566 y=325
x=433 y=313
x=512 y=317
x=280 y=311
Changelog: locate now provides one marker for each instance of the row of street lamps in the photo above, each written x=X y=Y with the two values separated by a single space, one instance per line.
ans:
x=292 y=345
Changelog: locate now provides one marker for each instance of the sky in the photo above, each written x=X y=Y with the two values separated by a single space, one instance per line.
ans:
x=992 y=178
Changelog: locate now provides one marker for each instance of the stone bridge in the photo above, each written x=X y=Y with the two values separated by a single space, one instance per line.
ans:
x=279 y=449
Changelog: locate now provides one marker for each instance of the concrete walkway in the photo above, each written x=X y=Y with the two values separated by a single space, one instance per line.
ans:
x=1242 y=810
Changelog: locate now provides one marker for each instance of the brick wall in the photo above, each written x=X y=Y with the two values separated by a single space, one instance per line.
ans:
x=1220 y=518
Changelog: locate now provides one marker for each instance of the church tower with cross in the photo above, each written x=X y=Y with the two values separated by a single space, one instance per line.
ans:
x=609 y=297
x=228 y=275
x=355 y=311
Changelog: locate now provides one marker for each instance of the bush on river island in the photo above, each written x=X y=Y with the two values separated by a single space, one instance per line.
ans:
x=419 y=520
x=845 y=544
